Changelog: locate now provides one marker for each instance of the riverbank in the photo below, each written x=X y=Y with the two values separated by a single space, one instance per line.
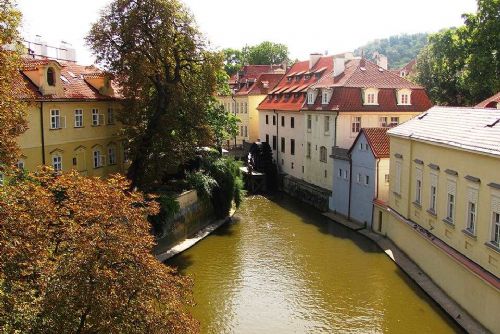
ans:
x=454 y=310
x=191 y=241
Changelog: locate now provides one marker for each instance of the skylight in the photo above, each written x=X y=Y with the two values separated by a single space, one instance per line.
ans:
x=63 y=78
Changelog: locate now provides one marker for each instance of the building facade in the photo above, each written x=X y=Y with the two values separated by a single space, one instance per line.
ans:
x=491 y=102
x=249 y=87
x=444 y=206
x=361 y=176
x=72 y=119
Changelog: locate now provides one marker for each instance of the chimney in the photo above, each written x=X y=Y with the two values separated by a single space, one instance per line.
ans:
x=67 y=52
x=313 y=59
x=381 y=60
x=338 y=66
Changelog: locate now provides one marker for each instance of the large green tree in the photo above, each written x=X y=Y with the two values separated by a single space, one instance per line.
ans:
x=167 y=78
x=460 y=66
x=12 y=109
x=265 y=53
x=223 y=124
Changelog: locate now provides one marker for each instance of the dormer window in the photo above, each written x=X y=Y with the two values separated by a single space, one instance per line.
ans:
x=310 y=97
x=325 y=96
x=370 y=96
x=51 y=77
x=404 y=97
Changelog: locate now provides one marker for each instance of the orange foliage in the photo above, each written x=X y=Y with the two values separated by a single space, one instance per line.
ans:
x=75 y=256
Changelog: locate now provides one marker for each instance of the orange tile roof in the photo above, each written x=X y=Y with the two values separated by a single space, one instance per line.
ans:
x=490 y=102
x=74 y=86
x=378 y=140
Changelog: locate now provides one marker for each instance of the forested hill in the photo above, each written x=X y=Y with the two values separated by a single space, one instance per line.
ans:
x=399 y=49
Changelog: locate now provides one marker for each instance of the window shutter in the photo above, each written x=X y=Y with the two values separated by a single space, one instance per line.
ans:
x=451 y=187
x=472 y=195
x=434 y=180
x=495 y=204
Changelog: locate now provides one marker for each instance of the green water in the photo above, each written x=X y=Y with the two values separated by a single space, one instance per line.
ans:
x=281 y=267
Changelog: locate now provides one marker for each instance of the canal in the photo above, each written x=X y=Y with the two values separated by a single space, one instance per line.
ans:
x=281 y=267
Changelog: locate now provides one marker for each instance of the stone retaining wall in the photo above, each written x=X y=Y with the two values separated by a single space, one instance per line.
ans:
x=306 y=192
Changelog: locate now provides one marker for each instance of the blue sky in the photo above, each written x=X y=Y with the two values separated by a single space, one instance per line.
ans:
x=305 y=26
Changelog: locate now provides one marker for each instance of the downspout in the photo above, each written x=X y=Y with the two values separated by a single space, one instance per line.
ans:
x=376 y=191
x=335 y=129
x=42 y=133
x=277 y=139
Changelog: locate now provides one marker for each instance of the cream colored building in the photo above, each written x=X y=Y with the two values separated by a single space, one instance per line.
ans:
x=249 y=87
x=444 y=206
x=72 y=119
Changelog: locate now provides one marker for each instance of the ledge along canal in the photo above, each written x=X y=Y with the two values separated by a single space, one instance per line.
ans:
x=281 y=267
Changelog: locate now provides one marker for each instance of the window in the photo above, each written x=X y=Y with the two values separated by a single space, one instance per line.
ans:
x=345 y=174
x=367 y=180
x=267 y=138
x=356 y=124
x=383 y=122
x=274 y=120
x=111 y=116
x=112 y=155
x=450 y=204
x=308 y=151
x=246 y=131
x=340 y=172
x=310 y=98
x=292 y=122
x=450 y=208
x=418 y=186
x=283 y=144
x=472 y=197
x=292 y=146
x=55 y=119
x=394 y=121
x=358 y=179
x=78 y=118
x=51 y=77
x=404 y=96
x=471 y=217
x=324 y=98
x=95 y=117
x=99 y=159
x=57 y=163
x=327 y=124
x=291 y=165
x=275 y=142
x=267 y=119
x=370 y=96
x=282 y=121
x=387 y=177
x=309 y=122
x=237 y=107
x=322 y=154
x=326 y=174
x=433 y=194
x=496 y=229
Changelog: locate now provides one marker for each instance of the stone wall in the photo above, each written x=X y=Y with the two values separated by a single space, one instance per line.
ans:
x=306 y=192
x=194 y=214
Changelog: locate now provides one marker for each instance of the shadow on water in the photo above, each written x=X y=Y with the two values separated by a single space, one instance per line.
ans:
x=312 y=216
x=227 y=229
x=181 y=262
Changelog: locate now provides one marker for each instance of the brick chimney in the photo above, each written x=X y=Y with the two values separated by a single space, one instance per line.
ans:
x=313 y=59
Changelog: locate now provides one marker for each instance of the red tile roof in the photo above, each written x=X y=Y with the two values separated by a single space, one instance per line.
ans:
x=490 y=102
x=378 y=140
x=347 y=90
x=259 y=86
x=296 y=99
x=74 y=86
x=250 y=73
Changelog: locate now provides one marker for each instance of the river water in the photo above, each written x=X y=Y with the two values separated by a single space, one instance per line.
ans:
x=281 y=267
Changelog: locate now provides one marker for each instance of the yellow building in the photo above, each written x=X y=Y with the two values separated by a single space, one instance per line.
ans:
x=249 y=87
x=444 y=206
x=71 y=119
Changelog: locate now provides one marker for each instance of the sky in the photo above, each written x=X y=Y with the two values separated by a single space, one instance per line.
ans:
x=331 y=26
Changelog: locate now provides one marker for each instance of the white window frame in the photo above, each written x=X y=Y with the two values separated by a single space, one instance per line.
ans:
x=370 y=96
x=323 y=153
x=451 y=201
x=324 y=97
x=55 y=119
x=495 y=221
x=95 y=117
x=404 y=97
x=472 y=210
x=433 y=192
x=394 y=121
x=327 y=124
x=57 y=162
x=383 y=121
x=78 y=118
x=98 y=159
x=418 y=185
x=356 y=124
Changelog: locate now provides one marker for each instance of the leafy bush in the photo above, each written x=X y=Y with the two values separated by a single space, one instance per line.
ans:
x=168 y=208
x=202 y=183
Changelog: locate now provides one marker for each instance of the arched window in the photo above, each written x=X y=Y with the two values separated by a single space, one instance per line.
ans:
x=51 y=79
x=322 y=154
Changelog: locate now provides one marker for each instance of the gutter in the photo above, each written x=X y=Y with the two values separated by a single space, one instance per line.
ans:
x=42 y=132
x=234 y=111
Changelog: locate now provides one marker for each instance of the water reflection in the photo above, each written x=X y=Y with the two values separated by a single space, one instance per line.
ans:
x=283 y=268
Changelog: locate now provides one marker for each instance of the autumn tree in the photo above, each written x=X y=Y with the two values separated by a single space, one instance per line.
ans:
x=76 y=257
x=12 y=110
x=167 y=78
x=461 y=66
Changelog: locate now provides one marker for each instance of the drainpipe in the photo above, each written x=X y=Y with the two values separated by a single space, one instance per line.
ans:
x=277 y=139
x=335 y=130
x=42 y=133
x=376 y=191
